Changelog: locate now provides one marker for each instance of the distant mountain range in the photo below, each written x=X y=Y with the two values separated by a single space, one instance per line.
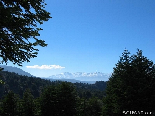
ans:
x=16 y=70
x=82 y=77
x=71 y=80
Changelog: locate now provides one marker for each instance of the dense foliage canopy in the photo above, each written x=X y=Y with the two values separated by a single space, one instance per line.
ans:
x=31 y=96
x=131 y=86
x=19 y=30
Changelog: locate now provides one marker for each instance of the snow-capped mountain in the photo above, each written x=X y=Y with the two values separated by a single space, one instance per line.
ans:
x=82 y=76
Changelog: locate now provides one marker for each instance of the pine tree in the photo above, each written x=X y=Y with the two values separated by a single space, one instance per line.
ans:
x=67 y=98
x=48 y=101
x=9 y=105
x=131 y=86
x=94 y=107
x=59 y=100
x=28 y=103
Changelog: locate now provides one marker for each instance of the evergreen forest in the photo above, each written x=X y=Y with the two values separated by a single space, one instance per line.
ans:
x=33 y=96
x=129 y=91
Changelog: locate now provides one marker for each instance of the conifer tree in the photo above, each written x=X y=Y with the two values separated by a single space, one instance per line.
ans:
x=67 y=98
x=48 y=101
x=9 y=105
x=131 y=86
x=59 y=100
x=94 y=107
x=28 y=103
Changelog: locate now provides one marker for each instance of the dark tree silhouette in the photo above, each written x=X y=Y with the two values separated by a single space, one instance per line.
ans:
x=131 y=86
x=18 y=24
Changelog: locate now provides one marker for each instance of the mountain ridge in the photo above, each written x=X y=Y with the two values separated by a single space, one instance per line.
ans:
x=16 y=70
x=82 y=77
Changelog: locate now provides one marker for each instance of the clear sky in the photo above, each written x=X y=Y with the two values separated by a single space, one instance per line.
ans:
x=90 y=35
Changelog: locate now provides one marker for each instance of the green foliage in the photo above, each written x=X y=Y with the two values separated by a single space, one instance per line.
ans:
x=28 y=103
x=131 y=86
x=91 y=90
x=9 y=105
x=89 y=107
x=59 y=100
x=1 y=82
x=101 y=85
x=67 y=98
x=42 y=97
x=94 y=107
x=48 y=101
x=18 y=24
x=18 y=84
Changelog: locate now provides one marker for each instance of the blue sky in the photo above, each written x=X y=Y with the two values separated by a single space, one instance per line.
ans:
x=90 y=35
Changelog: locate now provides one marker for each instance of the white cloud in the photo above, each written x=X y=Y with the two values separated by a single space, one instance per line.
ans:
x=46 y=67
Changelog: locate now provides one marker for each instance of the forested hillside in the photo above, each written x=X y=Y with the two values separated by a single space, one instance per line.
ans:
x=31 y=95
x=18 y=84
x=131 y=82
